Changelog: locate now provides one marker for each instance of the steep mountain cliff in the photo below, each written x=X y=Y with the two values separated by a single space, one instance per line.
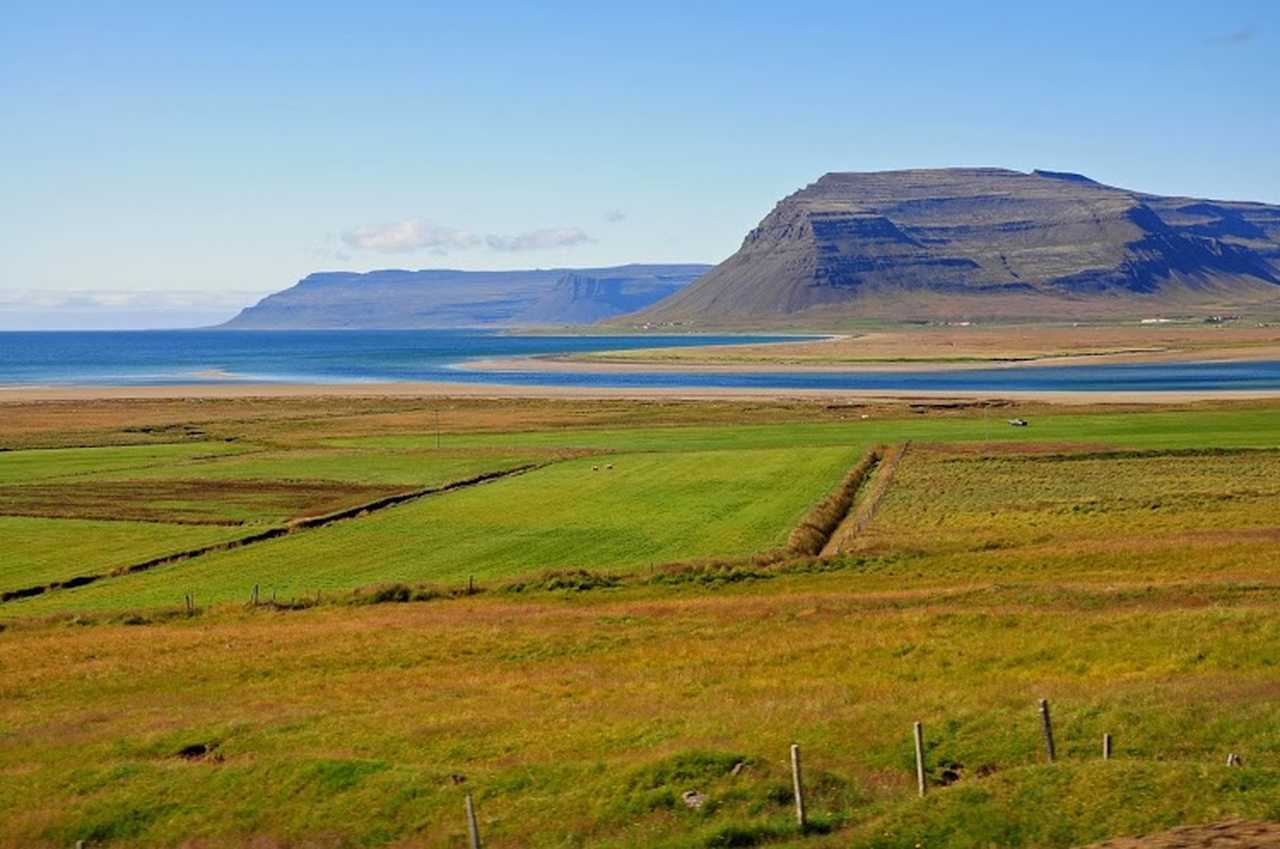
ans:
x=580 y=298
x=396 y=299
x=984 y=242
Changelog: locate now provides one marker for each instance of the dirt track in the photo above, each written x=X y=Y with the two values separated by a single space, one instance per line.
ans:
x=1223 y=835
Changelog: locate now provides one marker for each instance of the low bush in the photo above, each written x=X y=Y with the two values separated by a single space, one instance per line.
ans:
x=396 y=593
x=573 y=580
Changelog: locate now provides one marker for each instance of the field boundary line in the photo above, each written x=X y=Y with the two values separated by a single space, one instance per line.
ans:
x=302 y=524
x=832 y=544
x=813 y=532
x=865 y=509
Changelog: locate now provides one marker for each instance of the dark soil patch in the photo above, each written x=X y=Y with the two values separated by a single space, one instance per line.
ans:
x=196 y=751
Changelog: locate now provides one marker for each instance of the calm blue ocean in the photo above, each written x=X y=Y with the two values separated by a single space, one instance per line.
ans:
x=182 y=357
x=160 y=357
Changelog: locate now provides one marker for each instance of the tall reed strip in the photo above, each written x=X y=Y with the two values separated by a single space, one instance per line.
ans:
x=823 y=518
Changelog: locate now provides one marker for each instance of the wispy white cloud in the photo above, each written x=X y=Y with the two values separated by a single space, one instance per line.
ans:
x=614 y=216
x=330 y=248
x=537 y=240
x=420 y=234
x=412 y=234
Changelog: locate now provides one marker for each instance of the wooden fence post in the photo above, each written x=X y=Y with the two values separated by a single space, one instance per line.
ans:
x=1106 y=747
x=798 y=785
x=1049 y=750
x=918 y=734
x=473 y=830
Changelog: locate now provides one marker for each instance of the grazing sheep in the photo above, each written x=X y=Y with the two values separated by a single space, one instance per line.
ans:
x=595 y=468
x=609 y=467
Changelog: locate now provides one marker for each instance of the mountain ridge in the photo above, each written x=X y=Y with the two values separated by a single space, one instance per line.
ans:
x=398 y=299
x=927 y=243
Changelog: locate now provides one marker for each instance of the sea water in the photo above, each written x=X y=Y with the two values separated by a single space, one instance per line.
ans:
x=140 y=358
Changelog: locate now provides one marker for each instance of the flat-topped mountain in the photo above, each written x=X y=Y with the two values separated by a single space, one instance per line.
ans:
x=983 y=242
x=396 y=300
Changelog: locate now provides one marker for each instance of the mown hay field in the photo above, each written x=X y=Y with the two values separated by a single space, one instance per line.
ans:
x=18 y=467
x=1245 y=427
x=39 y=551
x=420 y=466
x=687 y=489
x=647 y=510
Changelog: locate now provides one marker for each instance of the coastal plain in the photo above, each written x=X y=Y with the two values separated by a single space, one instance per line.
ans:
x=321 y=621
x=963 y=344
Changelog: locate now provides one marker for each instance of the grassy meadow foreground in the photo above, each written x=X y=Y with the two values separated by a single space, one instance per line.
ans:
x=578 y=611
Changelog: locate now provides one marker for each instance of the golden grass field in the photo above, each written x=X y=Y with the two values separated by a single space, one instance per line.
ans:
x=628 y=640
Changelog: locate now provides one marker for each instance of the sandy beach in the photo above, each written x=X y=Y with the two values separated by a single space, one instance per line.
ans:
x=579 y=364
x=930 y=350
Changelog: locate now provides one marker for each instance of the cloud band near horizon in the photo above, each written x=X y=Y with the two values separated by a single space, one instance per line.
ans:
x=420 y=234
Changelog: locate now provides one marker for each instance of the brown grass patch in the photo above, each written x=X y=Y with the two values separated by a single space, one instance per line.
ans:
x=301 y=420
x=1011 y=449
x=205 y=502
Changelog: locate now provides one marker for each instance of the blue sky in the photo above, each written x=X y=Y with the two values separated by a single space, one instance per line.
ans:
x=209 y=154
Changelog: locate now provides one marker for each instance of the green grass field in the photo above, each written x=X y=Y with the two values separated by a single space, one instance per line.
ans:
x=17 y=467
x=578 y=514
x=37 y=551
x=1120 y=563
x=679 y=492
x=414 y=467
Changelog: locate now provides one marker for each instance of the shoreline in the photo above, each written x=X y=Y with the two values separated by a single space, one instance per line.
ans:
x=811 y=355
x=580 y=364
x=620 y=364
x=36 y=394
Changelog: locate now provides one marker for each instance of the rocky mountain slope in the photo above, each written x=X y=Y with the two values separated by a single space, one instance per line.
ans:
x=581 y=298
x=983 y=242
x=396 y=299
